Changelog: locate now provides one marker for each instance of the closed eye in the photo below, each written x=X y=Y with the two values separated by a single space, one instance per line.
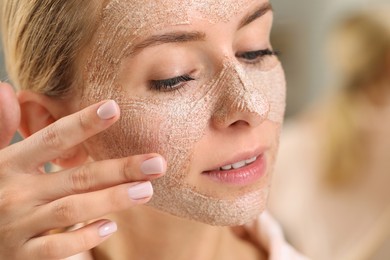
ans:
x=170 y=84
x=251 y=57
x=254 y=57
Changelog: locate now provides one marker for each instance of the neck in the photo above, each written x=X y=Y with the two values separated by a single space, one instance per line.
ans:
x=145 y=233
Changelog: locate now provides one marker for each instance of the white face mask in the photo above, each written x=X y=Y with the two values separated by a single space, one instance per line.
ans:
x=174 y=124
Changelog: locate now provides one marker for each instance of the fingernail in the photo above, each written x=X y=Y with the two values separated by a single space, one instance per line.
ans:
x=153 y=166
x=107 y=229
x=141 y=191
x=108 y=110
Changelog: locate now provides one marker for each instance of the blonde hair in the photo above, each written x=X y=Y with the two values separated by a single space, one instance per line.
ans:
x=346 y=141
x=43 y=39
x=371 y=35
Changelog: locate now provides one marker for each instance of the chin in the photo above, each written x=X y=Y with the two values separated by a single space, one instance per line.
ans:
x=220 y=197
x=219 y=208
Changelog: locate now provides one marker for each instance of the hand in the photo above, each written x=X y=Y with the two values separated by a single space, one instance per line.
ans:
x=9 y=114
x=33 y=203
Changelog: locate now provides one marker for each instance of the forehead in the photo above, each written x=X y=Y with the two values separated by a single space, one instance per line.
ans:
x=138 y=14
x=124 y=22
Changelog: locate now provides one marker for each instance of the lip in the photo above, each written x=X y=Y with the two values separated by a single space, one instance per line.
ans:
x=240 y=157
x=242 y=176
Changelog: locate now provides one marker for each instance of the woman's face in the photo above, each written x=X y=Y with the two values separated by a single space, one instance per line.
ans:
x=197 y=82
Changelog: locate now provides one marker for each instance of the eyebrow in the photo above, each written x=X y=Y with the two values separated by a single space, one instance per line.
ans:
x=181 y=37
x=259 y=12
x=172 y=37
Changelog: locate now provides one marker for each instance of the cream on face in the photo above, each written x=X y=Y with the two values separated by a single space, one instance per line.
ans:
x=173 y=123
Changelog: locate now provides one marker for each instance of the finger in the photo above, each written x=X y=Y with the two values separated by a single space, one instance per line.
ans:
x=99 y=175
x=9 y=114
x=63 y=245
x=81 y=208
x=52 y=141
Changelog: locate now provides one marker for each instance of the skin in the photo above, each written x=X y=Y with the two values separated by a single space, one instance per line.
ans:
x=227 y=91
x=30 y=196
x=9 y=114
x=63 y=143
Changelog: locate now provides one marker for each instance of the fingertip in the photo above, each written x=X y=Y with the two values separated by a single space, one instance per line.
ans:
x=108 y=110
x=141 y=191
x=107 y=228
x=155 y=165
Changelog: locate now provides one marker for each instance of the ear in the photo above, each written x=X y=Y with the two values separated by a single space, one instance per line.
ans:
x=39 y=111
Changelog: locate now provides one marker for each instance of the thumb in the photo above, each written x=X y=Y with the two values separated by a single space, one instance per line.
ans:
x=9 y=114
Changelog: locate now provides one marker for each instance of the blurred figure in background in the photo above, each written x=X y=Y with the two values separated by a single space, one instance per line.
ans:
x=331 y=187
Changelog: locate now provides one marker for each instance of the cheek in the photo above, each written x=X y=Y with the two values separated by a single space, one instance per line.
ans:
x=275 y=136
x=273 y=87
x=168 y=127
x=135 y=133
x=172 y=126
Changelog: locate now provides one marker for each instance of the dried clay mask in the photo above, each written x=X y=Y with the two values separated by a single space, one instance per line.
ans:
x=171 y=123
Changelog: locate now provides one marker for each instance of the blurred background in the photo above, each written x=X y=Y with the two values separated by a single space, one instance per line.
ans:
x=300 y=31
x=3 y=75
x=330 y=188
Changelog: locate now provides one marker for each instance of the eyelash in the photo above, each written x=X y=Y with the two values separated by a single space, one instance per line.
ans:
x=256 y=57
x=170 y=84
x=252 y=57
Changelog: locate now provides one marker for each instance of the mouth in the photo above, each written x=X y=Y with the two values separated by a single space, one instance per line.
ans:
x=238 y=165
x=239 y=172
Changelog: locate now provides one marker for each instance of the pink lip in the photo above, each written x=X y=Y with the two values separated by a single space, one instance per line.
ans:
x=242 y=176
x=241 y=157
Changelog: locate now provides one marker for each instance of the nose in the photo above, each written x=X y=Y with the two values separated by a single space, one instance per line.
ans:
x=241 y=101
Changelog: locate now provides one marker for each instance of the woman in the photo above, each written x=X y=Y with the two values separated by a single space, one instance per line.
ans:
x=341 y=208
x=201 y=96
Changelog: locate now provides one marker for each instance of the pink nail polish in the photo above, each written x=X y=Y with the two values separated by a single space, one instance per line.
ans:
x=107 y=229
x=141 y=191
x=155 y=165
x=108 y=110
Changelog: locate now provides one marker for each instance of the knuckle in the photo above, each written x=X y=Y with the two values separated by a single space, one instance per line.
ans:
x=65 y=213
x=127 y=169
x=81 y=180
x=85 y=123
x=51 y=137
